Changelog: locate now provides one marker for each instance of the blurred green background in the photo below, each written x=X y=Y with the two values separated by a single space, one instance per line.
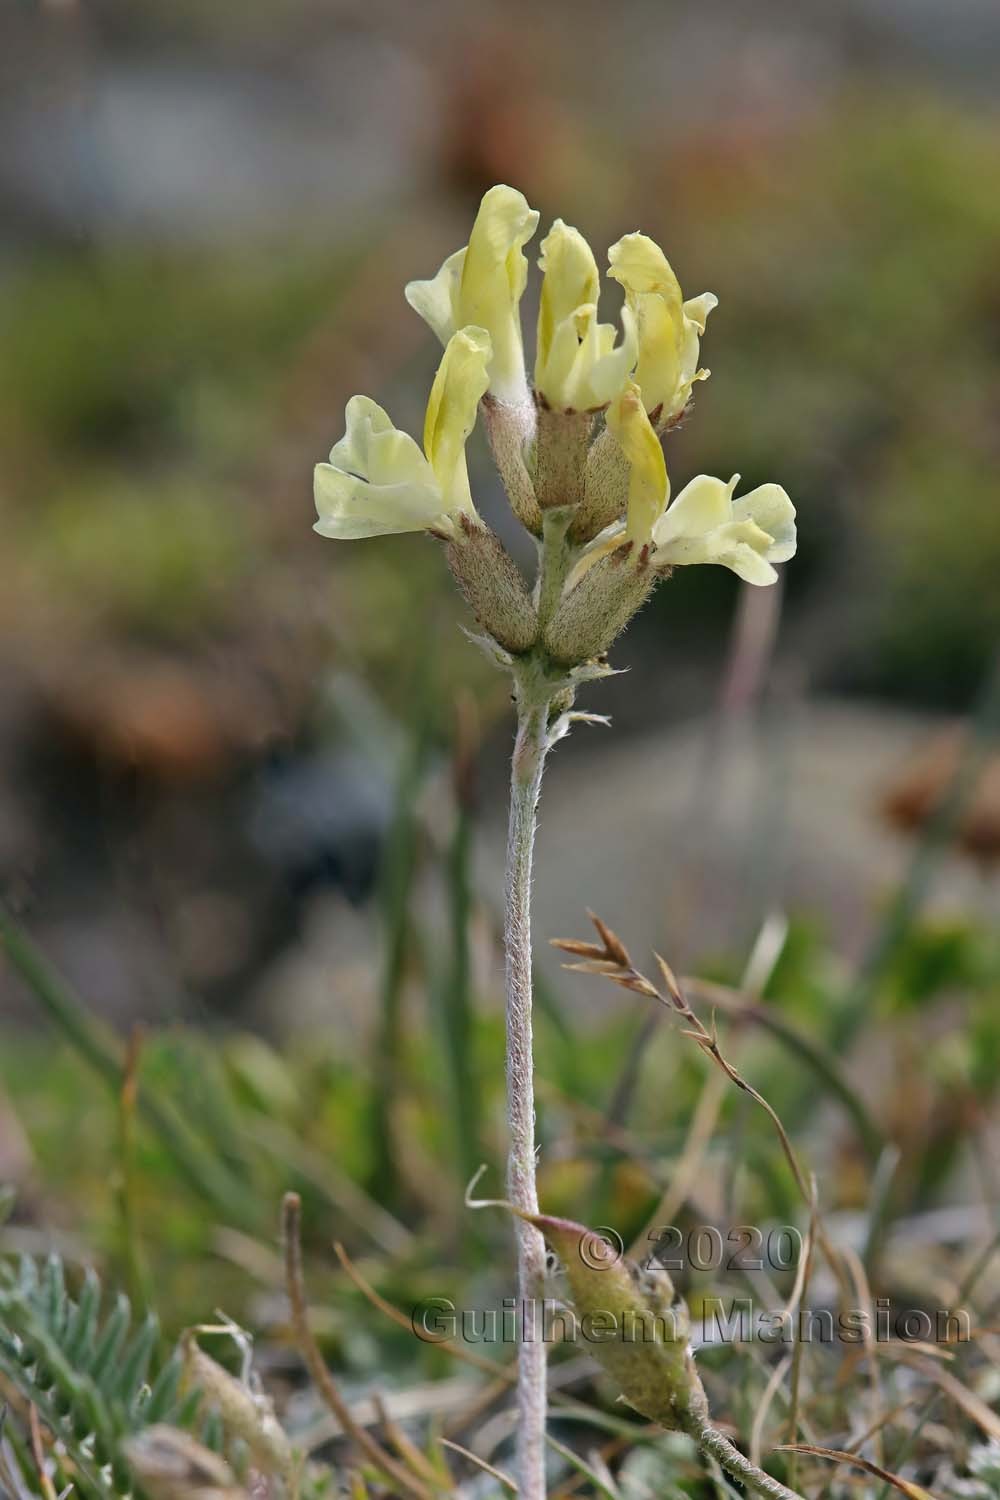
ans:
x=252 y=783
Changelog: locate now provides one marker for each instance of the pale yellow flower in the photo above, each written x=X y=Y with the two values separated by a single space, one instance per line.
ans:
x=378 y=480
x=482 y=284
x=669 y=328
x=704 y=524
x=577 y=366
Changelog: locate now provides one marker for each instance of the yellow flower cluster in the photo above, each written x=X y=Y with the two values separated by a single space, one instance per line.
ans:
x=586 y=434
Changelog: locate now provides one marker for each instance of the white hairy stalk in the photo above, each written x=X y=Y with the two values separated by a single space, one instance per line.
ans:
x=711 y=1440
x=534 y=692
x=526 y=776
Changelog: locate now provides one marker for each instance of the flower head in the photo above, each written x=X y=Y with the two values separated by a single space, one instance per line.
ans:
x=577 y=366
x=582 y=463
x=482 y=284
x=378 y=480
x=669 y=328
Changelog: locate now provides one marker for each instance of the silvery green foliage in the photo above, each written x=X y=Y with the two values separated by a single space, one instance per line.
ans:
x=87 y=1369
x=98 y=1381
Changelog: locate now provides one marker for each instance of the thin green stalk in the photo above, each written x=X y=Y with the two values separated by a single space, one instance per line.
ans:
x=135 y=1266
x=398 y=870
x=457 y=1006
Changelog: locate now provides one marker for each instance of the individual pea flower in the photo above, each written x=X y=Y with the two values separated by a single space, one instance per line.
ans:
x=704 y=524
x=577 y=365
x=378 y=482
x=617 y=572
x=578 y=368
x=669 y=328
x=482 y=284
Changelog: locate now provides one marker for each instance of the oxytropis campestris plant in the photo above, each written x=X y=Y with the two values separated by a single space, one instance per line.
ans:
x=580 y=455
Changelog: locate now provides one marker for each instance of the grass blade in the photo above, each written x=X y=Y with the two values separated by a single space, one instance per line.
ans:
x=101 y=1050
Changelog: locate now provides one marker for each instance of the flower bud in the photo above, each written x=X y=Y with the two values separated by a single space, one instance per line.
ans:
x=510 y=428
x=561 y=455
x=492 y=586
x=599 y=607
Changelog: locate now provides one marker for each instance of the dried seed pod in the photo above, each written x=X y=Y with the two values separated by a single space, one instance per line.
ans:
x=492 y=585
x=634 y=1326
x=243 y=1413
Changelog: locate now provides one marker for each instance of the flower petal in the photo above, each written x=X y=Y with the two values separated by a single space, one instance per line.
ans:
x=771 y=509
x=373 y=449
x=494 y=274
x=722 y=547
x=437 y=300
x=669 y=328
x=482 y=285
x=701 y=506
x=362 y=418
x=609 y=373
x=648 y=483
x=697 y=309
x=641 y=266
x=570 y=281
x=585 y=369
x=350 y=508
x=459 y=384
x=608 y=540
x=704 y=525
x=558 y=380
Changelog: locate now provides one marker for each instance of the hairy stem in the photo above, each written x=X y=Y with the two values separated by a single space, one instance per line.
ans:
x=557 y=558
x=710 y=1440
x=526 y=775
